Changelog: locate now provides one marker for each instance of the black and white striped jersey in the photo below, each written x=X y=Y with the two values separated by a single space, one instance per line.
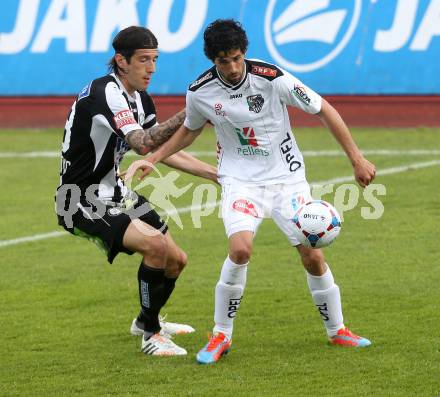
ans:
x=93 y=145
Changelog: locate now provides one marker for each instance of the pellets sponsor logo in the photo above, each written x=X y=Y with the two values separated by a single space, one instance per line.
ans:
x=249 y=144
x=246 y=136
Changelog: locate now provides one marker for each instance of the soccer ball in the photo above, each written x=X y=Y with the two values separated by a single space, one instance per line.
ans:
x=316 y=224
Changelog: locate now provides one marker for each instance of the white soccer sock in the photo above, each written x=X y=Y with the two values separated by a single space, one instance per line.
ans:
x=228 y=294
x=327 y=298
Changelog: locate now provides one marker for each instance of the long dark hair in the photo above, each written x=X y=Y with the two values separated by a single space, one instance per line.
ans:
x=127 y=41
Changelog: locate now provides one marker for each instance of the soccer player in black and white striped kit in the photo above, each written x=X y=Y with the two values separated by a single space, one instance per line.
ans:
x=110 y=116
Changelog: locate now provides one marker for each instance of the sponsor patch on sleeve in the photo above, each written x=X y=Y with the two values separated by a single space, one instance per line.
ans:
x=301 y=93
x=201 y=80
x=124 y=117
x=264 y=71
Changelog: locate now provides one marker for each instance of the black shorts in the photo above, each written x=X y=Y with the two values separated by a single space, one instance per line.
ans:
x=107 y=232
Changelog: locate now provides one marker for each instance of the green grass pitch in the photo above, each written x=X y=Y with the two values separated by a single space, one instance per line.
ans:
x=65 y=312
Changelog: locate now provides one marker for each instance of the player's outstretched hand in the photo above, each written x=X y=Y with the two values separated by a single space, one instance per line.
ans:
x=364 y=172
x=139 y=165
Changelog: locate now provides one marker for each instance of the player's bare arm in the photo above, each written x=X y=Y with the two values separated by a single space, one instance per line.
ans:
x=185 y=162
x=180 y=140
x=364 y=171
x=144 y=141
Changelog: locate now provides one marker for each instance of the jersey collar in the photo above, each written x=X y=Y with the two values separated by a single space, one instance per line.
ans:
x=121 y=86
x=237 y=86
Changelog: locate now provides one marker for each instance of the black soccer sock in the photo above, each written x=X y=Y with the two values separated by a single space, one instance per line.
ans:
x=169 y=285
x=151 y=292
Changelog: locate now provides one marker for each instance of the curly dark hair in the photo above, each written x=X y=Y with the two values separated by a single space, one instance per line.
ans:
x=224 y=35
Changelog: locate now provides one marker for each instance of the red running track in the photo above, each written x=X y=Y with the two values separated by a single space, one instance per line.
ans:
x=357 y=111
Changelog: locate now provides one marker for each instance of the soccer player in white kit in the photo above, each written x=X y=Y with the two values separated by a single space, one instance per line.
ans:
x=261 y=170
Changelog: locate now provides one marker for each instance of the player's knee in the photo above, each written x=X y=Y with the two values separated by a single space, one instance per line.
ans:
x=182 y=260
x=154 y=249
x=176 y=262
x=241 y=254
x=314 y=261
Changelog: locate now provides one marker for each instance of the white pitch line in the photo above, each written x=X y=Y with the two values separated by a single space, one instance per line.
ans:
x=44 y=236
x=306 y=153
x=385 y=171
x=372 y=152
x=35 y=237
x=47 y=154
x=7 y=155
x=213 y=204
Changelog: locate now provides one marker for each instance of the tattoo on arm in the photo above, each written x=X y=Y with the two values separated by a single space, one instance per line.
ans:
x=144 y=141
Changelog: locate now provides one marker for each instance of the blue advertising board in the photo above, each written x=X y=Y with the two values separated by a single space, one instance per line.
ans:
x=54 y=47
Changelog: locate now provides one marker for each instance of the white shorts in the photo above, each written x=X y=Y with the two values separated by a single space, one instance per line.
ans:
x=245 y=206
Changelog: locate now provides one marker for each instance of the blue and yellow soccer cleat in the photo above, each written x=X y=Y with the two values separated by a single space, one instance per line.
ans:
x=217 y=346
x=346 y=338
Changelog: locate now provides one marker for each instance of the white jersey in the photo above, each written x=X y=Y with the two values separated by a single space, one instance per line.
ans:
x=254 y=136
